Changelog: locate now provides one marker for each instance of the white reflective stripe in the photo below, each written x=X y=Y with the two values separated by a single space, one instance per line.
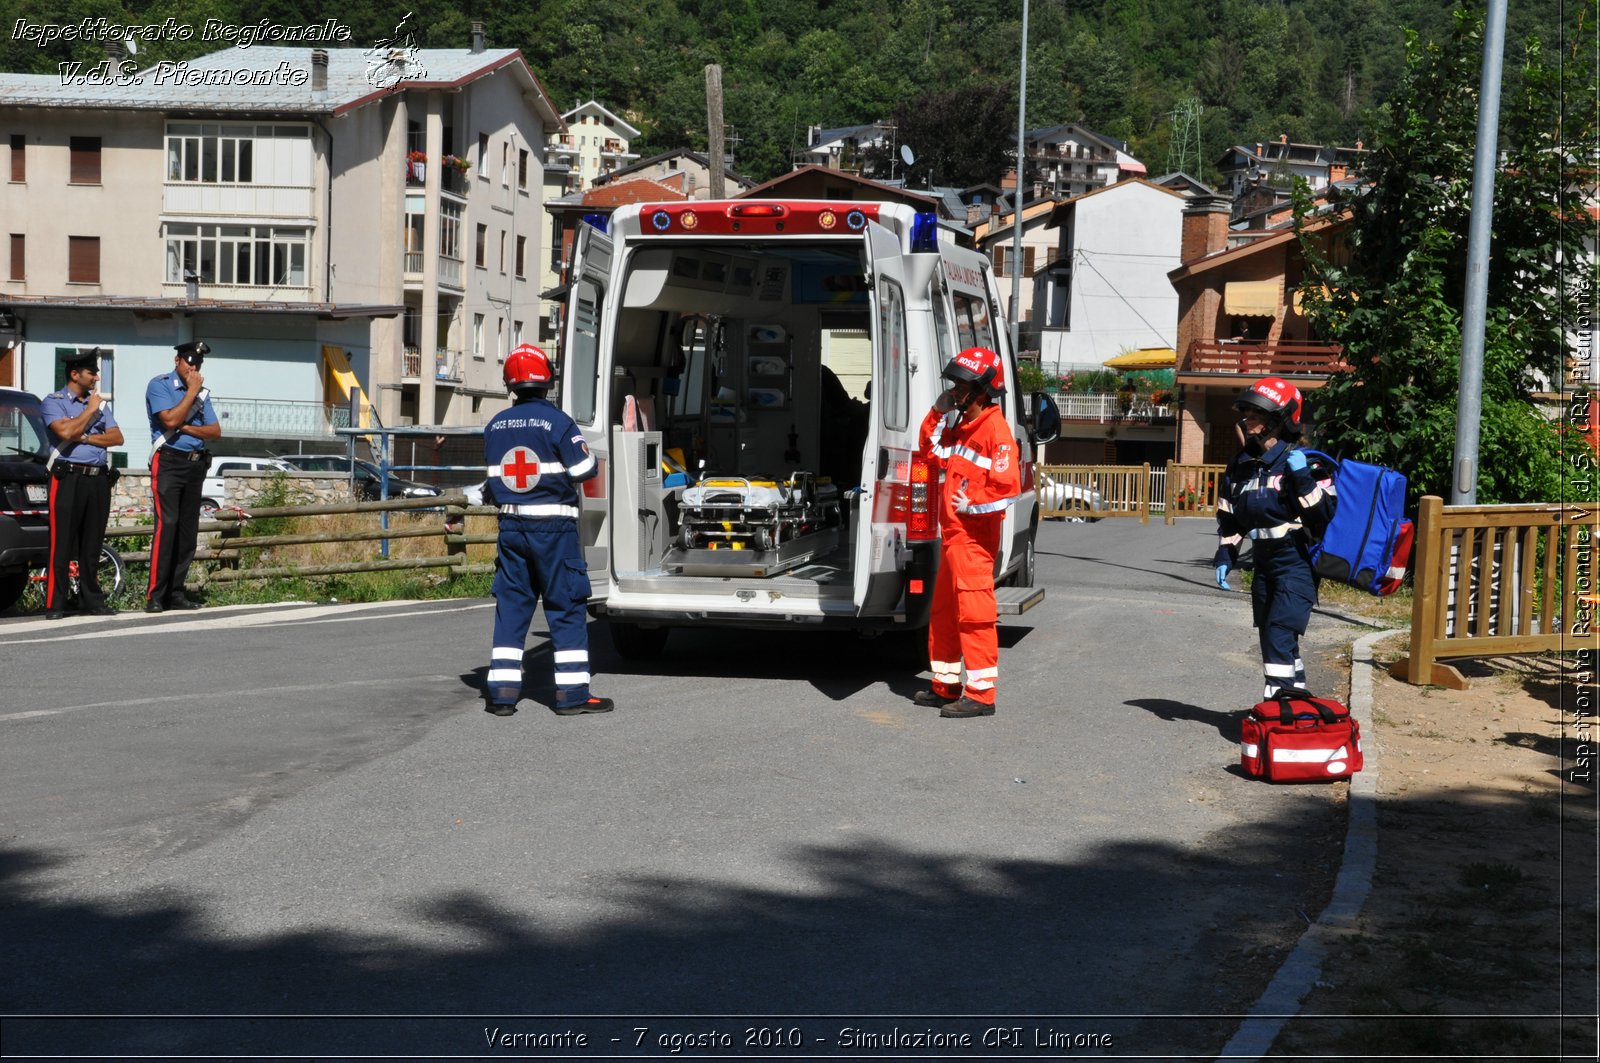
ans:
x=947 y=666
x=983 y=673
x=1308 y=756
x=506 y=653
x=991 y=507
x=1230 y=540
x=1250 y=749
x=579 y=469
x=505 y=675
x=1223 y=505
x=973 y=456
x=572 y=679
x=949 y=679
x=550 y=510
x=1278 y=671
x=1393 y=572
x=571 y=656
x=546 y=468
x=979 y=684
x=1277 y=531
x=1309 y=500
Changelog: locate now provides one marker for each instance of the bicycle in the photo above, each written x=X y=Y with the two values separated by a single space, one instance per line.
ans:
x=112 y=570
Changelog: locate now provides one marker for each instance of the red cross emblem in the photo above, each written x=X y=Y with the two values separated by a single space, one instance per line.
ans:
x=519 y=469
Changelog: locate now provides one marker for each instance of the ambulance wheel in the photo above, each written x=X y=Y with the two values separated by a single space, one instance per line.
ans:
x=763 y=539
x=637 y=643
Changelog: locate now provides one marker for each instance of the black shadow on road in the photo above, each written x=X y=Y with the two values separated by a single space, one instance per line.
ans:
x=1226 y=723
x=866 y=927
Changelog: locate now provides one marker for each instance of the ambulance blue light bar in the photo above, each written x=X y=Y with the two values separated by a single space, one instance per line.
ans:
x=599 y=221
x=925 y=232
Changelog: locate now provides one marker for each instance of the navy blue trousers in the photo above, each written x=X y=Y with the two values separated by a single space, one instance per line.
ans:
x=1282 y=595
x=540 y=557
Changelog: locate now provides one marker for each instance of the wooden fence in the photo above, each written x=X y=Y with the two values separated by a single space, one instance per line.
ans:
x=1125 y=491
x=1493 y=580
x=1192 y=490
x=222 y=539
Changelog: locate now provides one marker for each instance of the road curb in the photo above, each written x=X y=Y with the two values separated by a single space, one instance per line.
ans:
x=1282 y=998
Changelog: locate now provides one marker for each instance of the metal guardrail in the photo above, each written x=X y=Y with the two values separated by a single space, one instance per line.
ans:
x=1492 y=580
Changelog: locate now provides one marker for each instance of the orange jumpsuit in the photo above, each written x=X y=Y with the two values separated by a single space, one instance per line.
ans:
x=979 y=455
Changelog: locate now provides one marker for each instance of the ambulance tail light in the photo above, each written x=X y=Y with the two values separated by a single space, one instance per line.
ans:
x=595 y=486
x=922 y=521
x=891 y=502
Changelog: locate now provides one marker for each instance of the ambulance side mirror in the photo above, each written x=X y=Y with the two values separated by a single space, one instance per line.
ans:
x=1044 y=418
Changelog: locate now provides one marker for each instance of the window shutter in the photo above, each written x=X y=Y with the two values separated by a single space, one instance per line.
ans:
x=85 y=161
x=83 y=259
x=19 y=257
x=1027 y=261
x=1000 y=260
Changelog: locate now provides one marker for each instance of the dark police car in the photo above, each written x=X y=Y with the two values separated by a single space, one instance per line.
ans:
x=24 y=493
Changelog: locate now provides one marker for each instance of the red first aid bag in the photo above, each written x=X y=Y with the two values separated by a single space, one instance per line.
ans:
x=1300 y=738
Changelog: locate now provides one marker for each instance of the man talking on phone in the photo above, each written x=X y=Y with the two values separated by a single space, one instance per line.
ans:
x=182 y=422
x=81 y=427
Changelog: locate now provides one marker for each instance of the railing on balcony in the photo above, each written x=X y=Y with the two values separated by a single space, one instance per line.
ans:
x=564 y=142
x=1108 y=409
x=447 y=364
x=1264 y=359
x=450 y=271
x=451 y=178
x=281 y=418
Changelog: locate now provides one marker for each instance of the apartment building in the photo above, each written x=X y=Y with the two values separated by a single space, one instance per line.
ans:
x=331 y=222
x=593 y=142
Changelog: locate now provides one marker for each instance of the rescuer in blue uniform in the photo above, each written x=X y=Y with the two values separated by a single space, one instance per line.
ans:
x=1269 y=494
x=535 y=455
x=81 y=428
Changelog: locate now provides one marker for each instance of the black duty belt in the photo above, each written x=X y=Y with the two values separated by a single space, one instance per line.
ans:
x=79 y=469
x=186 y=455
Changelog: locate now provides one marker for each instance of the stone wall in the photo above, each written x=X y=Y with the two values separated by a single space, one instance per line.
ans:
x=130 y=496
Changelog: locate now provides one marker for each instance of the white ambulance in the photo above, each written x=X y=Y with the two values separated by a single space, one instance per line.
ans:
x=752 y=375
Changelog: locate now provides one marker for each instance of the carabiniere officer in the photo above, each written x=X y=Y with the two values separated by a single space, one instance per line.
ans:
x=182 y=422
x=81 y=427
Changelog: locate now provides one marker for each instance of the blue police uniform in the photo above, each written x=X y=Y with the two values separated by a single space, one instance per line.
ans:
x=1282 y=511
x=535 y=456
x=80 y=501
x=178 y=469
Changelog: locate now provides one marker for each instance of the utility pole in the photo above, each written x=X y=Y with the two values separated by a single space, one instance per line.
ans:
x=714 y=149
x=1016 y=199
x=1469 y=391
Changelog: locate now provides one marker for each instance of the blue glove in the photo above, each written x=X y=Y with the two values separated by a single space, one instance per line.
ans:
x=1297 y=460
x=1222 y=577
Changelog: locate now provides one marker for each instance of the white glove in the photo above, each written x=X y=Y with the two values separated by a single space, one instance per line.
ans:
x=475 y=494
x=963 y=503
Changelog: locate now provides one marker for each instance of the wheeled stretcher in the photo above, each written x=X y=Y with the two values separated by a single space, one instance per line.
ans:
x=737 y=525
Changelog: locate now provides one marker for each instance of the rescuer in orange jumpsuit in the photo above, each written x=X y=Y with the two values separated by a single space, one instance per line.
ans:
x=966 y=436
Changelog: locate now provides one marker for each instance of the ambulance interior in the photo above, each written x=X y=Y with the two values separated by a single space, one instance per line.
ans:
x=749 y=370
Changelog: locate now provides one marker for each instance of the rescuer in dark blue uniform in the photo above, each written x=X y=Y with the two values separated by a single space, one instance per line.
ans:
x=1270 y=495
x=535 y=455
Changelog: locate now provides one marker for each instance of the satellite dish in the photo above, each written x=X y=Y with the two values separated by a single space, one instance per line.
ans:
x=907 y=156
x=133 y=46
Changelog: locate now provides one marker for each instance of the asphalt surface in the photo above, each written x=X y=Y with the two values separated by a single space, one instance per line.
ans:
x=212 y=822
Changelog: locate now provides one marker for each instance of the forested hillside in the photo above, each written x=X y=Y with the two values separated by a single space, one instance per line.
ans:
x=1260 y=68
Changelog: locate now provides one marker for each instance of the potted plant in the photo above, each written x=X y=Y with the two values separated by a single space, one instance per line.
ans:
x=414 y=163
x=456 y=163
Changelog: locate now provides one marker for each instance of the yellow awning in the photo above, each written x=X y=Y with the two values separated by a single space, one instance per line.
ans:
x=1252 y=298
x=1144 y=358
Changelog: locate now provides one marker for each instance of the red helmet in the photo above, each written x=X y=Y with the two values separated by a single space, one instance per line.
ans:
x=978 y=365
x=527 y=367
x=1278 y=399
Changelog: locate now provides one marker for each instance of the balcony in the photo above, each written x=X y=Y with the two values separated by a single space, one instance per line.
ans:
x=564 y=144
x=1220 y=358
x=447 y=365
x=281 y=418
x=449 y=270
x=452 y=179
x=1107 y=408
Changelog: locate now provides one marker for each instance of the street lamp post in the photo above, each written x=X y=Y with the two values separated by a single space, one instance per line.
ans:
x=1016 y=199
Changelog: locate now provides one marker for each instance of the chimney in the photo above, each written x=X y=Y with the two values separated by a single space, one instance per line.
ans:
x=116 y=51
x=1205 y=226
x=319 y=70
x=1336 y=172
x=477 y=38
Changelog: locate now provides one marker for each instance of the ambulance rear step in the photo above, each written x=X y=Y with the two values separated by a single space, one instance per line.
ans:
x=1012 y=601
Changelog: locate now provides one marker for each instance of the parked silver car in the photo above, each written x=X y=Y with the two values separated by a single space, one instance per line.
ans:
x=1069 y=501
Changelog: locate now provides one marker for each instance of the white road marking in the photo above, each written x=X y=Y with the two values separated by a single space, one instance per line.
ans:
x=215 y=620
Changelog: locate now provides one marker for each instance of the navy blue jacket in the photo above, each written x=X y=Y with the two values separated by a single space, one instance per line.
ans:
x=535 y=456
x=1262 y=498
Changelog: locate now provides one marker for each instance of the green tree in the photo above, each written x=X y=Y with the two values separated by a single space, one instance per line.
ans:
x=1397 y=275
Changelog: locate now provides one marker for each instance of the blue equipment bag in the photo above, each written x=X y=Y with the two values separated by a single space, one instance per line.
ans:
x=1359 y=546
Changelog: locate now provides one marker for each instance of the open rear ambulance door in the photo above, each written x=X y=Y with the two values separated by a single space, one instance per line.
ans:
x=880 y=543
x=585 y=373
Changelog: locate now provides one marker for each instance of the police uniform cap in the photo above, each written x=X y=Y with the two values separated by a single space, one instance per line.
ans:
x=89 y=359
x=193 y=351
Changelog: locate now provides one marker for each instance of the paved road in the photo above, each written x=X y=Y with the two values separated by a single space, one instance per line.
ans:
x=303 y=810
